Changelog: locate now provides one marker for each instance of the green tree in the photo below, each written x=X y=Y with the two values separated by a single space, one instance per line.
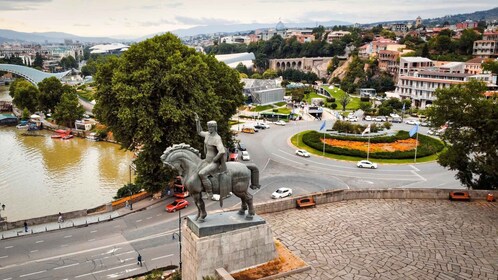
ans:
x=425 y=51
x=242 y=68
x=50 y=93
x=25 y=95
x=472 y=120
x=38 y=62
x=466 y=42
x=269 y=74
x=344 y=100
x=68 y=109
x=365 y=106
x=490 y=65
x=148 y=97
x=68 y=63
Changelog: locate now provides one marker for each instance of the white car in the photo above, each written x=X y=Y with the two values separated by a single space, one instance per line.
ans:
x=302 y=153
x=263 y=125
x=411 y=122
x=280 y=122
x=394 y=115
x=245 y=155
x=353 y=119
x=368 y=118
x=380 y=119
x=366 y=164
x=282 y=192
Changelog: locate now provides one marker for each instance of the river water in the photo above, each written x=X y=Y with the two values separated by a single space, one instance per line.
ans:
x=42 y=176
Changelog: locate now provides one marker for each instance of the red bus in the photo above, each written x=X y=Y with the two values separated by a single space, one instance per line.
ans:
x=179 y=190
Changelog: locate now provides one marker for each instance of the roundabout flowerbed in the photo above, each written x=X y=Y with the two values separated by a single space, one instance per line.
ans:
x=398 y=146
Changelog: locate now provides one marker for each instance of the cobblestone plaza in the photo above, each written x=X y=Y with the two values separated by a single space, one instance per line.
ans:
x=393 y=239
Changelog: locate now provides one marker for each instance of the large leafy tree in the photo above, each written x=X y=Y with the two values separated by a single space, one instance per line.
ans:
x=148 y=97
x=38 y=63
x=472 y=120
x=50 y=93
x=25 y=95
x=68 y=109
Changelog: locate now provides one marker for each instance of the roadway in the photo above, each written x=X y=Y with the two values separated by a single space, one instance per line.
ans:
x=109 y=250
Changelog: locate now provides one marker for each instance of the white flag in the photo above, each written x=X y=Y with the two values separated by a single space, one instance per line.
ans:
x=367 y=130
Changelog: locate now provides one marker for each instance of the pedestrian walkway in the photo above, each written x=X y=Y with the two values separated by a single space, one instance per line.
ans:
x=80 y=221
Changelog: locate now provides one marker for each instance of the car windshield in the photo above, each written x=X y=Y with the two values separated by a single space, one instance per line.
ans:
x=280 y=191
x=174 y=203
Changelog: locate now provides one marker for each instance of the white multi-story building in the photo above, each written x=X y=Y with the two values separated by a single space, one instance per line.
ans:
x=418 y=79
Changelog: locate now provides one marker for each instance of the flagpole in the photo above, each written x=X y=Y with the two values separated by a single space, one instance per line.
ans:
x=323 y=153
x=416 y=141
x=368 y=150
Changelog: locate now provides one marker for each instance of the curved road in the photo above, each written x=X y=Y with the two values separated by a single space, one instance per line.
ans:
x=109 y=250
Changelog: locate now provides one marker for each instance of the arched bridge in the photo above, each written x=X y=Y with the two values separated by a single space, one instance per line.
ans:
x=32 y=75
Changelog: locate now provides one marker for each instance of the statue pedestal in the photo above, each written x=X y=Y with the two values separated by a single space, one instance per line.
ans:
x=224 y=240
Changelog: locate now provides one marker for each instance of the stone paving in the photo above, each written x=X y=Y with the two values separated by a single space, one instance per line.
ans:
x=392 y=239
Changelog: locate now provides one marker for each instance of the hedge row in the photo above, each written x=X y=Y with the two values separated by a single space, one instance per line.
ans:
x=428 y=145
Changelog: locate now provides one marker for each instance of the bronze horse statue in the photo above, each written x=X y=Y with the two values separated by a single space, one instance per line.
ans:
x=187 y=161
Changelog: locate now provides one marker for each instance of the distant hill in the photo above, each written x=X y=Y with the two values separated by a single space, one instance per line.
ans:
x=51 y=37
x=488 y=15
x=234 y=28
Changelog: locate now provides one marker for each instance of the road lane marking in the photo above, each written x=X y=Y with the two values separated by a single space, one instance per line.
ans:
x=104 y=270
x=65 y=266
x=64 y=245
x=34 y=251
x=29 y=274
x=93 y=231
x=413 y=166
x=148 y=218
x=418 y=175
x=161 y=257
x=8 y=247
x=267 y=162
x=124 y=253
x=158 y=215
x=138 y=221
x=67 y=236
x=93 y=239
x=7 y=278
x=3 y=257
x=127 y=242
x=39 y=241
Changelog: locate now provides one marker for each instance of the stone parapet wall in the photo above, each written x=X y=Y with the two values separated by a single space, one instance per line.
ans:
x=233 y=250
x=44 y=219
x=340 y=195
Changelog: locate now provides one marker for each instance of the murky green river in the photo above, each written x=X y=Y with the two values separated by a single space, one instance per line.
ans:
x=42 y=176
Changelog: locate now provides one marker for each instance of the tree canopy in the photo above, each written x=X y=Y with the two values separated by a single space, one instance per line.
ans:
x=50 y=93
x=148 y=97
x=471 y=121
x=24 y=94
x=68 y=109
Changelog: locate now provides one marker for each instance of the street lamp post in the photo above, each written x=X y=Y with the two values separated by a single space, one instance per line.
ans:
x=131 y=200
x=179 y=234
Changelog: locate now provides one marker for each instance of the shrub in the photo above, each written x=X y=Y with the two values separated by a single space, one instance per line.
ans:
x=275 y=110
x=334 y=106
x=387 y=125
x=331 y=99
x=125 y=190
x=364 y=99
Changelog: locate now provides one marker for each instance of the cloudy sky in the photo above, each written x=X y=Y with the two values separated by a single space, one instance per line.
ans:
x=131 y=19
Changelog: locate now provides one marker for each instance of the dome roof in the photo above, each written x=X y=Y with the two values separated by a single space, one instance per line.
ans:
x=280 y=26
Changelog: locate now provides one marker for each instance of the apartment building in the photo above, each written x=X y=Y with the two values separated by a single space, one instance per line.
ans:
x=473 y=66
x=419 y=78
x=336 y=35
x=488 y=46
x=388 y=61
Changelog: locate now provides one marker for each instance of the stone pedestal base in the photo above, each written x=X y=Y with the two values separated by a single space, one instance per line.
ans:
x=227 y=240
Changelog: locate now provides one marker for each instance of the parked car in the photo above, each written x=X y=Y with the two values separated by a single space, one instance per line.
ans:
x=396 y=120
x=280 y=122
x=281 y=192
x=380 y=119
x=258 y=126
x=425 y=123
x=176 y=205
x=394 y=115
x=366 y=164
x=245 y=155
x=411 y=122
x=353 y=119
x=242 y=147
x=302 y=153
x=368 y=118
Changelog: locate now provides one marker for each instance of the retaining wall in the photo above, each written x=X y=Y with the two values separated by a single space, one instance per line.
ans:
x=340 y=195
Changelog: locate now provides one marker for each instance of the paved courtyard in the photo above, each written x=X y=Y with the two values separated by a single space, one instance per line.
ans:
x=393 y=239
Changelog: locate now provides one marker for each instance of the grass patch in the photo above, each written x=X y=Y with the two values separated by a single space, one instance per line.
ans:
x=284 y=111
x=337 y=93
x=261 y=108
x=280 y=104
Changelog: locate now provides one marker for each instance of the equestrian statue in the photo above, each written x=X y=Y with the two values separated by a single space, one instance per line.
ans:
x=212 y=174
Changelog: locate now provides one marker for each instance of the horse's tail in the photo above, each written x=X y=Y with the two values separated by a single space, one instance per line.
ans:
x=254 y=176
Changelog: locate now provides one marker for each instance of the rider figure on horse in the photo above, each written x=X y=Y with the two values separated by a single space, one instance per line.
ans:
x=215 y=154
